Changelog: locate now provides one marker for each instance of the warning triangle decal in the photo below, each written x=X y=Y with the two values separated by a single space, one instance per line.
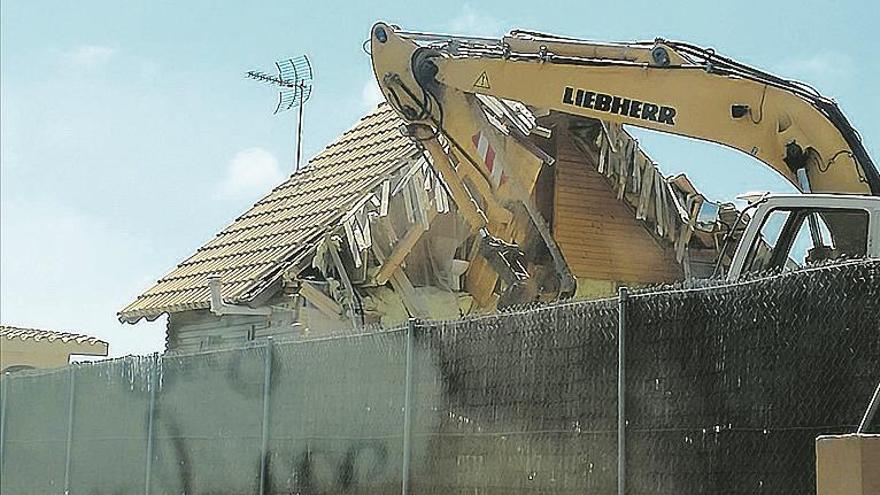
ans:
x=482 y=81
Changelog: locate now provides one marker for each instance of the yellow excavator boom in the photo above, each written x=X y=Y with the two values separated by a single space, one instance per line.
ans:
x=662 y=85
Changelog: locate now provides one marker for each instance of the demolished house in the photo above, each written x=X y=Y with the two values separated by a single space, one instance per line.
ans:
x=372 y=232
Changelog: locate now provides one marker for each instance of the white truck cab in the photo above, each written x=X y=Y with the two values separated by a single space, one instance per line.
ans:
x=791 y=231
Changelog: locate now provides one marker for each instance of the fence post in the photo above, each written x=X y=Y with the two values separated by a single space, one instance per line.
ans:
x=4 y=399
x=70 y=404
x=622 y=297
x=264 y=433
x=151 y=415
x=407 y=407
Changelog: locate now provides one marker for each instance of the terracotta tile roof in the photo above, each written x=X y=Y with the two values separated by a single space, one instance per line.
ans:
x=285 y=222
x=38 y=335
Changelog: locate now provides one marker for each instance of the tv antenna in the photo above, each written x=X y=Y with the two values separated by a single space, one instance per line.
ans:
x=294 y=78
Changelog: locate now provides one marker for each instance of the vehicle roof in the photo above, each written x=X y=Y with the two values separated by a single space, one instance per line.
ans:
x=816 y=199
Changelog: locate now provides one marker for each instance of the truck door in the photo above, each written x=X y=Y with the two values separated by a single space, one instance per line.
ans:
x=788 y=241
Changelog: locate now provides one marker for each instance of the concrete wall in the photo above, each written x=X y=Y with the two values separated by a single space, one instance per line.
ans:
x=848 y=465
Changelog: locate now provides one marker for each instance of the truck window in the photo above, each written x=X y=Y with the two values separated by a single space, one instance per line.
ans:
x=793 y=238
x=759 y=256
x=850 y=229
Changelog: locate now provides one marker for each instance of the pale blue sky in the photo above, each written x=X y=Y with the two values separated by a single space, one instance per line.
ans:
x=130 y=137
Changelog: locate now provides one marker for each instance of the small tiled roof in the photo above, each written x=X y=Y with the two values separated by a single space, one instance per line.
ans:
x=284 y=223
x=47 y=335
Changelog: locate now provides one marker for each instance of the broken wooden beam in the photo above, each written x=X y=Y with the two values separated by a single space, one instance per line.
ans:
x=346 y=282
x=398 y=279
x=402 y=248
x=323 y=302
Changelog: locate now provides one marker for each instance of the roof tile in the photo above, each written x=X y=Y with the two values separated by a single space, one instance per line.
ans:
x=286 y=220
x=35 y=334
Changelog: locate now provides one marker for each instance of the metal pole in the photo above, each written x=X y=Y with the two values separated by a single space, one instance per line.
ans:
x=264 y=434
x=813 y=218
x=407 y=407
x=299 y=125
x=4 y=399
x=872 y=409
x=151 y=415
x=622 y=296
x=70 y=404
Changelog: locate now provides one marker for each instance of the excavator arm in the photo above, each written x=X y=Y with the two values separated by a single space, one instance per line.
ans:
x=665 y=86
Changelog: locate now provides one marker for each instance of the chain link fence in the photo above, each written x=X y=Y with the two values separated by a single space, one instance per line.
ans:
x=729 y=386
x=726 y=388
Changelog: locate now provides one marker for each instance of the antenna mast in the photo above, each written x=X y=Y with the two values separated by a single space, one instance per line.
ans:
x=294 y=78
